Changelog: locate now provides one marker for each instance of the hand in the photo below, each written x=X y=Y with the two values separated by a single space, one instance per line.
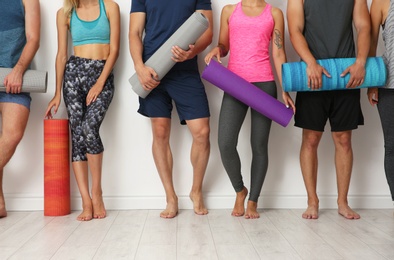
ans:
x=288 y=101
x=314 y=73
x=93 y=93
x=54 y=103
x=357 y=74
x=13 y=82
x=148 y=77
x=373 y=96
x=215 y=52
x=179 y=55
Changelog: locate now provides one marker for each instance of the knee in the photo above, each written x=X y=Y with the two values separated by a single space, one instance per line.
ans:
x=343 y=141
x=310 y=142
x=202 y=135
x=227 y=144
x=13 y=138
x=161 y=133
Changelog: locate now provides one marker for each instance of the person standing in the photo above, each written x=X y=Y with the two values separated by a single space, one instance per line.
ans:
x=88 y=87
x=247 y=30
x=19 y=40
x=322 y=29
x=382 y=14
x=157 y=21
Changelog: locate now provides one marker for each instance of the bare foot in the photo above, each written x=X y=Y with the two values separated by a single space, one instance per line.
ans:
x=251 y=210
x=198 y=203
x=98 y=207
x=347 y=212
x=312 y=212
x=239 y=206
x=87 y=213
x=171 y=210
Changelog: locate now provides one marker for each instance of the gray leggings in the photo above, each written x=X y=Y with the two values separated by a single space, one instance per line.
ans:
x=386 y=112
x=232 y=116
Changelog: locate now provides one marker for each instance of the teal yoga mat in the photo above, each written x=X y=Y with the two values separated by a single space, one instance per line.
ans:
x=34 y=81
x=294 y=76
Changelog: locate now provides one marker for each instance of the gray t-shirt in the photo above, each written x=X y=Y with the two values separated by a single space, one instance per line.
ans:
x=328 y=28
x=388 y=38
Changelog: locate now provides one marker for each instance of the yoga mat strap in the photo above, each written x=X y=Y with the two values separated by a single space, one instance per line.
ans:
x=294 y=76
x=247 y=93
x=34 y=81
x=161 y=60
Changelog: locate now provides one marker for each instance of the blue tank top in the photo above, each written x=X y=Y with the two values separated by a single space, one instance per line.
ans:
x=90 y=32
x=12 y=32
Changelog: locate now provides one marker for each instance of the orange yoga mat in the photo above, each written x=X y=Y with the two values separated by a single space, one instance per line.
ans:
x=56 y=167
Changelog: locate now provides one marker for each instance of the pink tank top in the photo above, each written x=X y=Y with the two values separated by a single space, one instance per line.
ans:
x=249 y=44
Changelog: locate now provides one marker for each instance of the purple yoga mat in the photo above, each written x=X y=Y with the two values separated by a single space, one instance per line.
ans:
x=247 y=93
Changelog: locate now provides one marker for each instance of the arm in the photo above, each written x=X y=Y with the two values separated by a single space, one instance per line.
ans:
x=362 y=23
x=278 y=52
x=295 y=18
x=113 y=15
x=61 y=58
x=13 y=81
x=377 y=18
x=201 y=44
x=146 y=75
x=223 y=46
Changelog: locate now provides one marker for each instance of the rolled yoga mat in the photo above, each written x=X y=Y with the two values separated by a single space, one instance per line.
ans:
x=34 y=81
x=247 y=93
x=294 y=76
x=56 y=167
x=161 y=60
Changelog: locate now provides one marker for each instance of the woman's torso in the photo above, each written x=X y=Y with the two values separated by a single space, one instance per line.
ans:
x=90 y=32
x=249 y=38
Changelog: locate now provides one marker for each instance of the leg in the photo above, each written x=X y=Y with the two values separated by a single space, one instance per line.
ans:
x=386 y=113
x=231 y=118
x=199 y=156
x=3 y=211
x=14 y=121
x=94 y=116
x=81 y=175
x=309 y=162
x=162 y=155
x=343 y=165
x=260 y=130
x=95 y=162
x=261 y=126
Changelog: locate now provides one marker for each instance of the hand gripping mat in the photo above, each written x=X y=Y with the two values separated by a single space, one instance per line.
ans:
x=161 y=60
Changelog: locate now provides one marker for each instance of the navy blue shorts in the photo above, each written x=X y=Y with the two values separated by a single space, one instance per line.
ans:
x=187 y=91
x=341 y=107
x=21 y=98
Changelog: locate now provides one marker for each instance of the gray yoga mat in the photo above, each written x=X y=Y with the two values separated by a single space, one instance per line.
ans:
x=34 y=81
x=161 y=60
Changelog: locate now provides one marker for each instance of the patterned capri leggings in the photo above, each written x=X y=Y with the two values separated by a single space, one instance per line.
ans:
x=85 y=121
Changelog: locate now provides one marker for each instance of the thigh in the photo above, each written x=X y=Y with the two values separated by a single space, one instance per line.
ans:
x=231 y=117
x=386 y=112
x=14 y=118
x=312 y=110
x=188 y=93
x=345 y=111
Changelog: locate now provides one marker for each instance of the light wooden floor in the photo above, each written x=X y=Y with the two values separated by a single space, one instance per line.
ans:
x=142 y=234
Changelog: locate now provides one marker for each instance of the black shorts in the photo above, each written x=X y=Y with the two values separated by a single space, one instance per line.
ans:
x=341 y=107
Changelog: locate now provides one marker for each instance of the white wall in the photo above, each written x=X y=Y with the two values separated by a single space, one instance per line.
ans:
x=130 y=180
